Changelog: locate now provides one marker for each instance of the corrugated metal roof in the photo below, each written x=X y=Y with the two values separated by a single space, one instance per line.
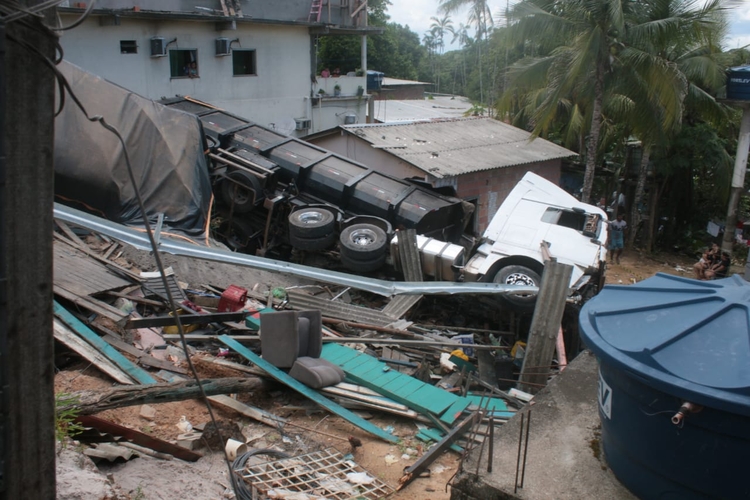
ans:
x=421 y=109
x=387 y=81
x=447 y=148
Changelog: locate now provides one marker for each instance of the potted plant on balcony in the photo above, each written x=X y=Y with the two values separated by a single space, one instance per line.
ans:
x=337 y=89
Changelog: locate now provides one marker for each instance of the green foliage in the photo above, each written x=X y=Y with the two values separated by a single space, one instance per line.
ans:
x=65 y=416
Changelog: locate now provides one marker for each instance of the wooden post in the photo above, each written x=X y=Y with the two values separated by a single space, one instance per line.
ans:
x=27 y=408
x=548 y=313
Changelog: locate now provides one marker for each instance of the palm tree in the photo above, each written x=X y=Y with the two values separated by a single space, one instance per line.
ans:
x=460 y=35
x=579 y=36
x=678 y=38
x=438 y=29
x=480 y=16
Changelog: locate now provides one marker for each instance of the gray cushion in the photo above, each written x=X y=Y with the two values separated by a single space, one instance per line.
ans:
x=303 y=336
x=316 y=372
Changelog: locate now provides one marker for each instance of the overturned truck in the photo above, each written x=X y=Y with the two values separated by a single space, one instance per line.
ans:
x=277 y=192
x=278 y=196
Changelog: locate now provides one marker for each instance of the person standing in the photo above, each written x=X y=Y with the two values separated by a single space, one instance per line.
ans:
x=617 y=229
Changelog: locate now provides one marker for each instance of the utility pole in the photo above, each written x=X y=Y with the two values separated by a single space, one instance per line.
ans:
x=27 y=408
x=738 y=178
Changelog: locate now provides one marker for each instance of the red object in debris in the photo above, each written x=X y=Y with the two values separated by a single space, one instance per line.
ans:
x=233 y=299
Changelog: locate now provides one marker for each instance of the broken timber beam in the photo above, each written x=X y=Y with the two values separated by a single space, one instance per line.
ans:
x=90 y=402
x=545 y=324
x=434 y=452
x=137 y=437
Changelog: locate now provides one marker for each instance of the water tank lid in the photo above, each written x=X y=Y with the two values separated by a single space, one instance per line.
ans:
x=684 y=337
x=744 y=69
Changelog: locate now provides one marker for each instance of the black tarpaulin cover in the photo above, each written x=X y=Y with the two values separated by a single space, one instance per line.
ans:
x=165 y=148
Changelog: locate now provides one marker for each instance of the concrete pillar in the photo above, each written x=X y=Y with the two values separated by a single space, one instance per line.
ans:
x=27 y=409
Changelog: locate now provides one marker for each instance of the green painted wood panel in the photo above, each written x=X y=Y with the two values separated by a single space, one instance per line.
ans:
x=454 y=411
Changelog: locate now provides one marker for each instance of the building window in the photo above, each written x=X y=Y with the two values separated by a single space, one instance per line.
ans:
x=128 y=47
x=243 y=62
x=183 y=63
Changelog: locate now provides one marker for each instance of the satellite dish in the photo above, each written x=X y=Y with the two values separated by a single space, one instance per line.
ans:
x=286 y=126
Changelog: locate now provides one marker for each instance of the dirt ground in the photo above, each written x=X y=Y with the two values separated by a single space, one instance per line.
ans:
x=147 y=478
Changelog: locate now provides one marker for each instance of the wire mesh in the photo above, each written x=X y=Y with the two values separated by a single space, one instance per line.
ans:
x=321 y=474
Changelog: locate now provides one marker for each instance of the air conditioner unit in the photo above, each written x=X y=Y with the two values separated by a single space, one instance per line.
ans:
x=350 y=119
x=223 y=47
x=302 y=124
x=158 y=46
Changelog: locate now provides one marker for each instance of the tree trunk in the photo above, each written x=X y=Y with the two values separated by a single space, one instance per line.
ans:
x=640 y=188
x=653 y=222
x=593 y=142
x=89 y=402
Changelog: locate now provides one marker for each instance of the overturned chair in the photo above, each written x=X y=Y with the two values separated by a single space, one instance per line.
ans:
x=294 y=340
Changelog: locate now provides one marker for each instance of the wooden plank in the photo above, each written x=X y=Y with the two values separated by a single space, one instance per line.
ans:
x=224 y=7
x=137 y=437
x=142 y=357
x=70 y=234
x=107 y=350
x=306 y=391
x=261 y=416
x=91 y=304
x=185 y=319
x=67 y=337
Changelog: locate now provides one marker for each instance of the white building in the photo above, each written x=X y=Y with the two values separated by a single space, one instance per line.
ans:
x=254 y=59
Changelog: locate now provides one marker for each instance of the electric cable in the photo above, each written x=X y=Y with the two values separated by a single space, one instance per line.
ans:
x=241 y=490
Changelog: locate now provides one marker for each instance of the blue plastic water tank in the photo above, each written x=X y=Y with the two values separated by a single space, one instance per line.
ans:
x=660 y=343
x=374 y=80
x=738 y=83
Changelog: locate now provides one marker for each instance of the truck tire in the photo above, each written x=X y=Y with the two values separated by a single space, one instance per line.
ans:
x=518 y=275
x=363 y=243
x=311 y=223
x=312 y=244
x=363 y=266
x=242 y=196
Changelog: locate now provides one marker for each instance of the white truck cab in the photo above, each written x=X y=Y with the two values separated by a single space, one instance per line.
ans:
x=536 y=221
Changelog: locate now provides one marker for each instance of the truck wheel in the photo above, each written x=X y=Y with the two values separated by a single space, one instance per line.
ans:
x=238 y=236
x=363 y=266
x=363 y=242
x=518 y=275
x=312 y=244
x=311 y=223
x=243 y=192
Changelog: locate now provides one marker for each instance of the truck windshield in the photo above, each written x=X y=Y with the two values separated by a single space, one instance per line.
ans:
x=587 y=224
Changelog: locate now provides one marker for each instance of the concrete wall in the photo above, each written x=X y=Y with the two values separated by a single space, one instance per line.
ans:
x=491 y=187
x=97 y=49
x=275 y=96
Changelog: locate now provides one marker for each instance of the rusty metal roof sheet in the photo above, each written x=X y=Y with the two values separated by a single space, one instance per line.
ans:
x=446 y=148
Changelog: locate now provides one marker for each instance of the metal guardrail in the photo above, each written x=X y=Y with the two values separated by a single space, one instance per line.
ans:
x=384 y=288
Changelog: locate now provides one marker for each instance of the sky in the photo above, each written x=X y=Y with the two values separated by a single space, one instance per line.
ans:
x=417 y=13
